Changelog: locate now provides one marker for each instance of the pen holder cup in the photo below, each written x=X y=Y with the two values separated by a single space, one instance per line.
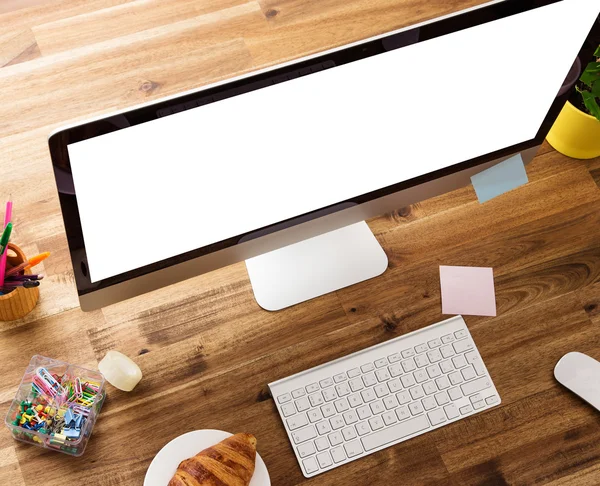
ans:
x=20 y=301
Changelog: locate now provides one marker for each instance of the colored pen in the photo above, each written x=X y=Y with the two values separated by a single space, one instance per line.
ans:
x=25 y=277
x=28 y=284
x=5 y=237
x=31 y=262
x=7 y=219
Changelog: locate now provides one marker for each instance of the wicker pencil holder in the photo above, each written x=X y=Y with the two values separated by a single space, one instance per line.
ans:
x=20 y=301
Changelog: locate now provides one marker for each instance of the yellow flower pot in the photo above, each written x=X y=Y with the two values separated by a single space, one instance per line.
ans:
x=575 y=134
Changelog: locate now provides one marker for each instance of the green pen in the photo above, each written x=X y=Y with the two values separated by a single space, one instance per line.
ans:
x=5 y=237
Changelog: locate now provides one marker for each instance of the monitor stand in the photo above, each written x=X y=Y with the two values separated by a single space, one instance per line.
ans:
x=317 y=266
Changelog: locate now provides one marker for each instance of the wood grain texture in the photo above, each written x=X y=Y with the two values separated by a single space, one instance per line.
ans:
x=206 y=348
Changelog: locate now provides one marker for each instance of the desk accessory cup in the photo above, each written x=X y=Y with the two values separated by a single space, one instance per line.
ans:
x=20 y=301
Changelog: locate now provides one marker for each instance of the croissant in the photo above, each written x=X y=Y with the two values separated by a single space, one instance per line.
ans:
x=228 y=463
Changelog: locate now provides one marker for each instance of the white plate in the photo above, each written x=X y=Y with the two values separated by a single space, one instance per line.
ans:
x=164 y=465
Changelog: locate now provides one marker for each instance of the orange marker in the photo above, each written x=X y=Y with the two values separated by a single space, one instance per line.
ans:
x=31 y=262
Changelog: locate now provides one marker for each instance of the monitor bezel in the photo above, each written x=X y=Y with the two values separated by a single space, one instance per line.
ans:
x=59 y=140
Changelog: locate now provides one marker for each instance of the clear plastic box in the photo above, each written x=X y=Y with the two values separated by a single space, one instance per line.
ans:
x=45 y=437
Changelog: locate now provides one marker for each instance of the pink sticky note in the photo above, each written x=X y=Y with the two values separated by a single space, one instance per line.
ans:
x=468 y=291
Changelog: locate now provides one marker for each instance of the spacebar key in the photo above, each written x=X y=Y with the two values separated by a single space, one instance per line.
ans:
x=395 y=432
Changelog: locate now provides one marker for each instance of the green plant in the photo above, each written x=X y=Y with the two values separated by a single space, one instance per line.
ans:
x=590 y=78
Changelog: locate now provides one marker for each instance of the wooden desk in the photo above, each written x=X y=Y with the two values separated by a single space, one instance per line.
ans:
x=207 y=350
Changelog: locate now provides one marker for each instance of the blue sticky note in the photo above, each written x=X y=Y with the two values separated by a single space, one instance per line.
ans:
x=500 y=178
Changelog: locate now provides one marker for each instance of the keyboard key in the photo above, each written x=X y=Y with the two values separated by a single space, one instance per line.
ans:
x=475 y=398
x=310 y=465
x=476 y=385
x=341 y=405
x=468 y=373
x=455 y=378
x=363 y=412
x=441 y=398
x=355 y=400
x=402 y=412
x=420 y=376
x=349 y=433
x=297 y=421
x=409 y=365
x=350 y=417
x=417 y=392
x=316 y=399
x=324 y=460
x=408 y=353
x=473 y=358
x=381 y=363
x=363 y=428
x=429 y=388
x=342 y=390
x=394 y=433
x=389 y=418
x=415 y=408
x=390 y=402
x=306 y=449
x=382 y=375
x=493 y=400
x=460 y=334
x=394 y=386
x=442 y=382
x=353 y=373
x=326 y=382
x=329 y=394
x=459 y=361
x=421 y=348
x=356 y=384
x=338 y=455
x=298 y=393
x=323 y=427
x=314 y=415
x=478 y=405
x=407 y=381
x=322 y=443
x=428 y=403
x=433 y=371
x=446 y=366
x=394 y=358
x=451 y=411
x=395 y=370
x=381 y=390
x=337 y=422
x=447 y=351
x=367 y=367
x=313 y=387
x=466 y=409
x=353 y=448
x=448 y=338
x=369 y=379
x=421 y=361
x=454 y=393
x=435 y=343
x=340 y=377
x=302 y=404
x=376 y=423
x=302 y=435
x=335 y=438
x=288 y=409
x=462 y=346
x=368 y=395
x=403 y=397
x=437 y=417
x=434 y=355
x=377 y=407
x=286 y=397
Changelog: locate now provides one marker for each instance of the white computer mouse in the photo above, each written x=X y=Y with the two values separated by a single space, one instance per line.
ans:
x=580 y=374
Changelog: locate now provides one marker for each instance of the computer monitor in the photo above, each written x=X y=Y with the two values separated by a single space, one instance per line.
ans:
x=281 y=167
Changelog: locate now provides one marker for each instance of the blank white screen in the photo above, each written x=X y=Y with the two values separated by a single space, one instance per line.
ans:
x=239 y=164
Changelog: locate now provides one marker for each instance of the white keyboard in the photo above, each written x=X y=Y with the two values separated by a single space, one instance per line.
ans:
x=380 y=396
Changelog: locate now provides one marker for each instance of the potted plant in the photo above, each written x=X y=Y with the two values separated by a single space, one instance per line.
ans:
x=576 y=131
